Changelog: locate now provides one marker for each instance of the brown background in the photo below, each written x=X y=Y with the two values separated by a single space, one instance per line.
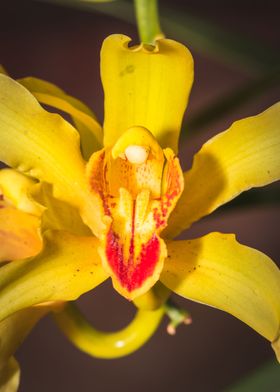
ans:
x=62 y=45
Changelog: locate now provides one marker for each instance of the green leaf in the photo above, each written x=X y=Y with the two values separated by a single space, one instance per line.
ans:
x=266 y=378
x=228 y=102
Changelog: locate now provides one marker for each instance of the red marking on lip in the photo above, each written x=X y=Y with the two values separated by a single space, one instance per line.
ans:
x=133 y=272
x=97 y=181
x=2 y=205
x=132 y=254
x=168 y=201
x=131 y=246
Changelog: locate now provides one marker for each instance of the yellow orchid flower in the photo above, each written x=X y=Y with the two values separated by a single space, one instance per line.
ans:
x=113 y=210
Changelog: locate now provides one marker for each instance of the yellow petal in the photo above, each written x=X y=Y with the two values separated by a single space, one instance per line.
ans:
x=13 y=330
x=218 y=271
x=275 y=344
x=68 y=267
x=44 y=146
x=20 y=217
x=85 y=121
x=247 y=155
x=19 y=234
x=9 y=376
x=3 y=70
x=145 y=87
x=17 y=189
x=37 y=199
x=58 y=215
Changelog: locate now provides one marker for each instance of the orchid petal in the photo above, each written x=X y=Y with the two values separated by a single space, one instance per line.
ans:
x=58 y=215
x=145 y=86
x=84 y=119
x=13 y=330
x=68 y=267
x=9 y=376
x=46 y=147
x=19 y=234
x=17 y=189
x=20 y=221
x=247 y=155
x=218 y=271
x=3 y=70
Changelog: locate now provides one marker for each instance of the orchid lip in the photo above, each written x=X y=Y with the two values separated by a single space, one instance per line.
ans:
x=138 y=194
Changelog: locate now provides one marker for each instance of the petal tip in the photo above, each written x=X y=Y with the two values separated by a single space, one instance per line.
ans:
x=276 y=347
x=117 y=39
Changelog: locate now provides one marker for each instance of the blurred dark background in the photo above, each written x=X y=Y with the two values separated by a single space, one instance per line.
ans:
x=62 y=44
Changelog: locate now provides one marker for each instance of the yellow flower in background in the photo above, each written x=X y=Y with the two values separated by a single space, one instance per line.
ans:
x=69 y=221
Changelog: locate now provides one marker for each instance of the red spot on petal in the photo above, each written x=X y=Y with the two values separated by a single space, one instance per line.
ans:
x=132 y=272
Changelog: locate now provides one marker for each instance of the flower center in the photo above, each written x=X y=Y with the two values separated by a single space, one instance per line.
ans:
x=138 y=184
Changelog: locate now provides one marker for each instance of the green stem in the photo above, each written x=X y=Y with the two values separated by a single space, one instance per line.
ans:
x=147 y=20
x=107 y=345
x=200 y=34
x=177 y=316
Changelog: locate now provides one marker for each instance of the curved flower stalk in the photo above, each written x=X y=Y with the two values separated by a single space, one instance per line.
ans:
x=112 y=210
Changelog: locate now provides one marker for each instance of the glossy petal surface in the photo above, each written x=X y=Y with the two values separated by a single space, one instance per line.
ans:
x=16 y=190
x=58 y=215
x=68 y=267
x=45 y=146
x=20 y=217
x=13 y=330
x=218 y=271
x=3 y=70
x=145 y=87
x=9 y=376
x=19 y=234
x=247 y=155
x=84 y=119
